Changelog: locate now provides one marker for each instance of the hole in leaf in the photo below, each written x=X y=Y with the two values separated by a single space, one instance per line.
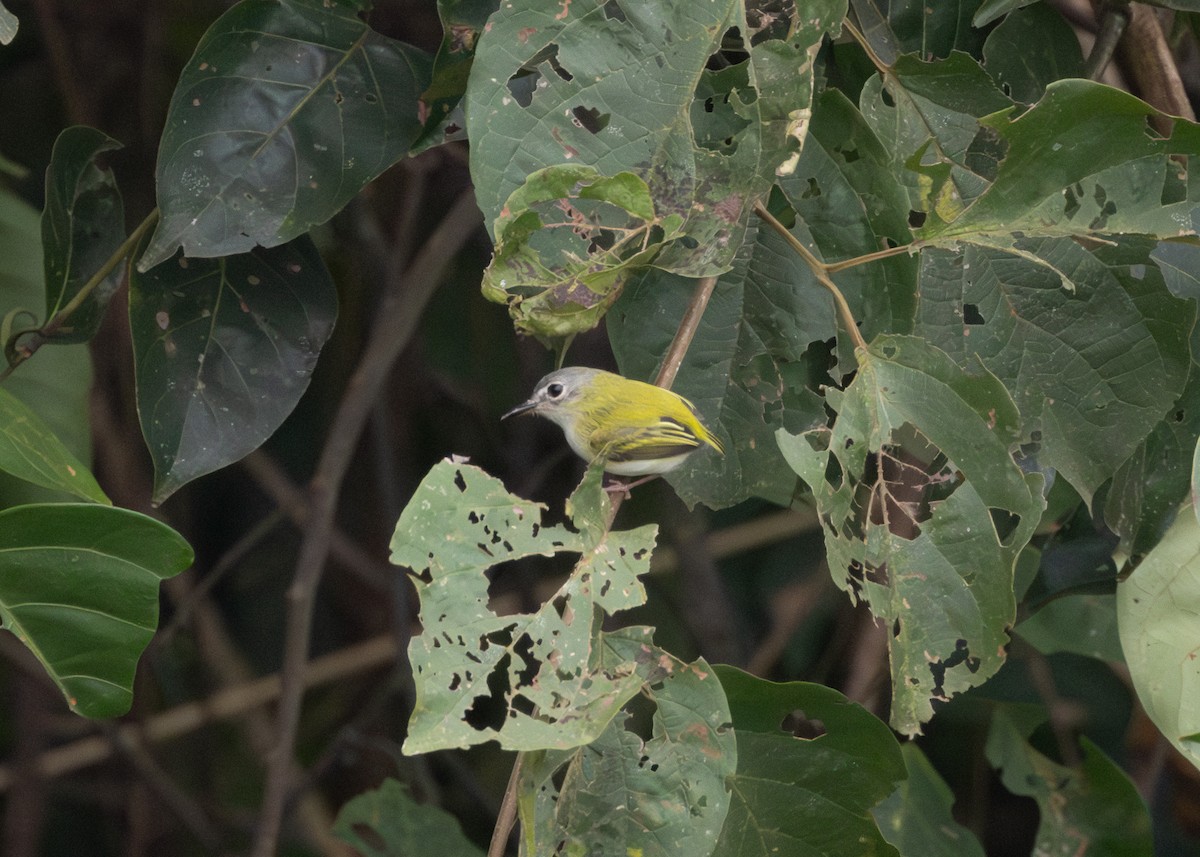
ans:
x=488 y=711
x=1004 y=522
x=849 y=155
x=971 y=314
x=613 y=11
x=531 y=665
x=916 y=219
x=833 y=472
x=896 y=628
x=800 y=725
x=813 y=190
x=459 y=482
x=886 y=98
x=590 y=119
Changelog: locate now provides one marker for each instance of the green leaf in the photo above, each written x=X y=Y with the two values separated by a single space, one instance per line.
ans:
x=529 y=680
x=810 y=767
x=566 y=242
x=1080 y=162
x=916 y=818
x=1158 y=611
x=1030 y=49
x=82 y=226
x=990 y=10
x=931 y=30
x=760 y=353
x=1094 y=353
x=79 y=587
x=387 y=822
x=926 y=116
x=924 y=514
x=622 y=794
x=1083 y=624
x=285 y=111
x=1093 y=809
x=224 y=350
x=56 y=384
x=624 y=87
x=30 y=450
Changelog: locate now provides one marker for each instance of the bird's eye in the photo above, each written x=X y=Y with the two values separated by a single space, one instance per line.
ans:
x=554 y=391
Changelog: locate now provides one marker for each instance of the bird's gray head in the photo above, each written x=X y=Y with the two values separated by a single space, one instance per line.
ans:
x=561 y=387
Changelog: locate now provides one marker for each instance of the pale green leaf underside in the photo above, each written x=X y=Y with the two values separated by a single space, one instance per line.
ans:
x=30 y=450
x=459 y=523
x=387 y=822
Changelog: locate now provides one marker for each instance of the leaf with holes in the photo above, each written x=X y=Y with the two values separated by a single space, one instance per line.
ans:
x=565 y=244
x=79 y=587
x=31 y=451
x=656 y=796
x=82 y=226
x=1083 y=161
x=387 y=822
x=624 y=86
x=1158 y=613
x=1093 y=809
x=1093 y=367
x=761 y=351
x=285 y=111
x=224 y=350
x=810 y=767
x=924 y=513
x=530 y=680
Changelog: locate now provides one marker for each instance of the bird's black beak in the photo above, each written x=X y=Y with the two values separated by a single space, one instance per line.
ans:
x=523 y=408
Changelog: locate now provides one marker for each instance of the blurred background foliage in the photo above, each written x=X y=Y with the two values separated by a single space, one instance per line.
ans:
x=745 y=586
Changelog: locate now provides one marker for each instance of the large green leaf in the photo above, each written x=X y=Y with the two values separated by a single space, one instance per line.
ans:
x=387 y=822
x=932 y=30
x=924 y=514
x=82 y=226
x=623 y=86
x=79 y=587
x=528 y=680
x=1158 y=611
x=224 y=349
x=30 y=450
x=1093 y=809
x=811 y=765
x=760 y=352
x=622 y=794
x=1030 y=49
x=1080 y=162
x=284 y=112
x=1094 y=354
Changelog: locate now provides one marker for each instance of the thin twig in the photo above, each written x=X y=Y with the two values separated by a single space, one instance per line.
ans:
x=819 y=271
x=686 y=332
x=1114 y=16
x=395 y=323
x=508 y=811
x=846 y=264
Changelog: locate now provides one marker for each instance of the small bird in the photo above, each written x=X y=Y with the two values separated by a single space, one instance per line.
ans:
x=637 y=429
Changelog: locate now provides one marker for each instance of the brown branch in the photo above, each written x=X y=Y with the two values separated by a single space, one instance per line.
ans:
x=395 y=322
x=508 y=811
x=688 y=326
x=1147 y=59
x=225 y=704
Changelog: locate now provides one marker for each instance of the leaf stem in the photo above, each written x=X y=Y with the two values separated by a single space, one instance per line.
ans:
x=846 y=264
x=42 y=335
x=508 y=811
x=820 y=271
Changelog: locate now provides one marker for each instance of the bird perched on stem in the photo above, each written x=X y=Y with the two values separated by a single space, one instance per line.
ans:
x=637 y=429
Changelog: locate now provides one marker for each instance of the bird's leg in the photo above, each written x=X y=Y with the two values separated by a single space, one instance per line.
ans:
x=617 y=486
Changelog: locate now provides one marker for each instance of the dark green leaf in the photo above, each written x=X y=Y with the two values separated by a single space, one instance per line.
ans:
x=285 y=111
x=82 y=226
x=79 y=587
x=1082 y=161
x=387 y=822
x=1093 y=809
x=924 y=514
x=1083 y=624
x=624 y=87
x=929 y=30
x=529 y=680
x=1093 y=355
x=224 y=350
x=811 y=765
x=56 y=384
x=916 y=818
x=29 y=450
x=1030 y=49
x=1157 y=610
x=990 y=10
x=622 y=795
